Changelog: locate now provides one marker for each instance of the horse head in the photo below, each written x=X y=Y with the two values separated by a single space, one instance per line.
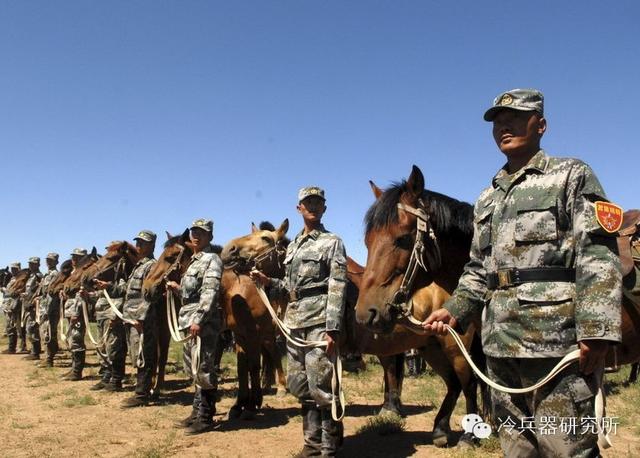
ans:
x=116 y=263
x=20 y=282
x=75 y=280
x=409 y=230
x=171 y=264
x=56 y=285
x=263 y=249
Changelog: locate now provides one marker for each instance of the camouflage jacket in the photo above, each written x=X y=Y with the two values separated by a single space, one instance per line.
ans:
x=73 y=306
x=135 y=306
x=102 y=307
x=9 y=302
x=317 y=263
x=46 y=300
x=541 y=216
x=199 y=290
x=30 y=290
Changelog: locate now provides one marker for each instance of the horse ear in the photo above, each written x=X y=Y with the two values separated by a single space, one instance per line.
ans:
x=377 y=192
x=185 y=236
x=284 y=227
x=94 y=252
x=169 y=236
x=254 y=228
x=415 y=183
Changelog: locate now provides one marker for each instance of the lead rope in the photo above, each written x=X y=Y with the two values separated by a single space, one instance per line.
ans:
x=336 y=365
x=98 y=344
x=603 y=436
x=174 y=330
x=140 y=362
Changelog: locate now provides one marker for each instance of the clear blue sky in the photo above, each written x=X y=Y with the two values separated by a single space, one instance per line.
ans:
x=122 y=115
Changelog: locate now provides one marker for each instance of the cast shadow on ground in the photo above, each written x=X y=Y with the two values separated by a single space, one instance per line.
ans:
x=364 y=410
x=390 y=446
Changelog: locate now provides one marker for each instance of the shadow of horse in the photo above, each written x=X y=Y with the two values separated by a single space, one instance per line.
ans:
x=365 y=410
x=267 y=417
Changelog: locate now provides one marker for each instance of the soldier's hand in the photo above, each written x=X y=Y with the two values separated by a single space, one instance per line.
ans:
x=259 y=278
x=435 y=323
x=138 y=326
x=194 y=330
x=592 y=354
x=99 y=284
x=172 y=285
x=331 y=337
x=74 y=320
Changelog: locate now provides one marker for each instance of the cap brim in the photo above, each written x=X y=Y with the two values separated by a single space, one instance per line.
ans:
x=200 y=227
x=312 y=195
x=143 y=239
x=492 y=112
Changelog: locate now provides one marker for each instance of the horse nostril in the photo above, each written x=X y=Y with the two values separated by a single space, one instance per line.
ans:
x=233 y=249
x=373 y=314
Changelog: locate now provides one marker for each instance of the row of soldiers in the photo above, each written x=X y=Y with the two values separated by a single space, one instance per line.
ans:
x=35 y=313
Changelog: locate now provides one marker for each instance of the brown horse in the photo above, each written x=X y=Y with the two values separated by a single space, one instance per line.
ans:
x=416 y=253
x=20 y=283
x=245 y=313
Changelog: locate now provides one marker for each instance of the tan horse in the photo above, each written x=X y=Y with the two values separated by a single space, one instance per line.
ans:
x=394 y=282
x=246 y=315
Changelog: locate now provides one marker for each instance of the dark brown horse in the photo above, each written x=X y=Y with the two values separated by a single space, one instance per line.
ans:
x=245 y=313
x=403 y=277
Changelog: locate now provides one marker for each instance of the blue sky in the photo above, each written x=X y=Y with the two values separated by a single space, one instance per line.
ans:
x=122 y=115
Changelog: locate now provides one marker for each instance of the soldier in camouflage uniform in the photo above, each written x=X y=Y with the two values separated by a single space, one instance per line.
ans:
x=11 y=308
x=49 y=310
x=136 y=308
x=73 y=313
x=315 y=283
x=200 y=316
x=545 y=274
x=32 y=289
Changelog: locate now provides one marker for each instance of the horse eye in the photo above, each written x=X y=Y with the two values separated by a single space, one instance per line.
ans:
x=170 y=258
x=404 y=241
x=267 y=239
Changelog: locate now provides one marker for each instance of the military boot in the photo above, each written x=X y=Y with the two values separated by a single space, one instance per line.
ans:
x=77 y=365
x=101 y=385
x=204 y=421
x=312 y=431
x=332 y=434
x=11 y=349
x=23 y=346
x=193 y=416
x=31 y=357
x=135 y=401
x=113 y=386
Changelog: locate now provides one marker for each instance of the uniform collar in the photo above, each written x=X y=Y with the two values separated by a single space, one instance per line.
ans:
x=538 y=163
x=314 y=234
x=207 y=249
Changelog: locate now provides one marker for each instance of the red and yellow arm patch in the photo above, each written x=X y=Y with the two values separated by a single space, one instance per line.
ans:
x=609 y=216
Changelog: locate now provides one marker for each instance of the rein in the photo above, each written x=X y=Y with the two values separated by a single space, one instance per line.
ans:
x=140 y=362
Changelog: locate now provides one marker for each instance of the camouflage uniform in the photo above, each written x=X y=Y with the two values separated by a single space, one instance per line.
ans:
x=12 y=309
x=137 y=308
x=315 y=281
x=32 y=328
x=115 y=344
x=199 y=290
x=49 y=315
x=76 y=332
x=542 y=216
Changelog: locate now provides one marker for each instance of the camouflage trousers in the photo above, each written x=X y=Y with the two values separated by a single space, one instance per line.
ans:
x=14 y=328
x=32 y=329
x=49 y=331
x=145 y=374
x=309 y=370
x=114 y=349
x=551 y=421
x=205 y=377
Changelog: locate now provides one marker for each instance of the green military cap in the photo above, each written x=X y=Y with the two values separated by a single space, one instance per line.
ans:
x=53 y=256
x=15 y=265
x=79 y=252
x=309 y=191
x=517 y=99
x=146 y=235
x=204 y=224
x=34 y=260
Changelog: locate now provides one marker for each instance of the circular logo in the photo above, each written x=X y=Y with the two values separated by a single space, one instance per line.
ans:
x=506 y=100
x=469 y=421
x=482 y=430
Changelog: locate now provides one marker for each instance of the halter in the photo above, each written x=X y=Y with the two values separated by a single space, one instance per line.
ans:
x=271 y=256
x=418 y=258
x=118 y=268
x=175 y=264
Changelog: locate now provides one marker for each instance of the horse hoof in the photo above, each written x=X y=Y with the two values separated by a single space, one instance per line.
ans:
x=248 y=415
x=467 y=440
x=440 y=439
x=234 y=413
x=385 y=411
x=281 y=393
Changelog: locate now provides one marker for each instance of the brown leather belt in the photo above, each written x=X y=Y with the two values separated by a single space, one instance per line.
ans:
x=298 y=294
x=506 y=278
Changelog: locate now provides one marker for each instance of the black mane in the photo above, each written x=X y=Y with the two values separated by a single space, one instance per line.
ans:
x=449 y=217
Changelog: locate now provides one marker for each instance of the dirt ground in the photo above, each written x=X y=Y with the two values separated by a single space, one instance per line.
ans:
x=43 y=416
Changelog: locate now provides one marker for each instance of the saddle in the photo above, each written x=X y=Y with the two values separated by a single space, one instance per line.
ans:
x=629 y=249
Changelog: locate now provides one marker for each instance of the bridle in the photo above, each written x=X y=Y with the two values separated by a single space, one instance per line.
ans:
x=270 y=257
x=419 y=258
x=119 y=268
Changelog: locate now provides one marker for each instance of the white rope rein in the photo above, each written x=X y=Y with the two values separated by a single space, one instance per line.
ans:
x=336 y=378
x=140 y=362
x=174 y=330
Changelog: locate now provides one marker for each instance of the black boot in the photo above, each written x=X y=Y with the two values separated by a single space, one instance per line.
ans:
x=113 y=386
x=193 y=416
x=312 y=431
x=332 y=434
x=23 y=346
x=77 y=365
x=11 y=349
x=204 y=422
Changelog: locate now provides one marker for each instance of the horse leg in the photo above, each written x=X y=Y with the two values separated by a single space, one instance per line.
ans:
x=267 y=377
x=393 y=368
x=254 y=401
x=243 y=383
x=275 y=361
x=164 y=339
x=442 y=366
x=633 y=375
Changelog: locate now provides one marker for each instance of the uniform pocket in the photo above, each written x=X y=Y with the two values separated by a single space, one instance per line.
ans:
x=311 y=266
x=189 y=286
x=482 y=226
x=536 y=220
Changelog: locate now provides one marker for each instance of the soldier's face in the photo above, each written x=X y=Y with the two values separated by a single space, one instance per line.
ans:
x=200 y=238
x=144 y=248
x=518 y=132
x=14 y=271
x=75 y=259
x=51 y=264
x=34 y=266
x=312 y=208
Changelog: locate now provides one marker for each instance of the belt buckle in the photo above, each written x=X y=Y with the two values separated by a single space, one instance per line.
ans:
x=504 y=278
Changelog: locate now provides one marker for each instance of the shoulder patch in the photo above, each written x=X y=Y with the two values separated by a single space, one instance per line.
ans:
x=609 y=216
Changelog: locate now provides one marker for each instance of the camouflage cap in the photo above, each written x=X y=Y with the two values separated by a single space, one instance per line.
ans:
x=34 y=260
x=204 y=224
x=146 y=235
x=79 y=252
x=15 y=265
x=53 y=256
x=309 y=191
x=516 y=99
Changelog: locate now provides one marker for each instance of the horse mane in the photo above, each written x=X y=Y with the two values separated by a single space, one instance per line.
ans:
x=173 y=240
x=217 y=249
x=449 y=216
